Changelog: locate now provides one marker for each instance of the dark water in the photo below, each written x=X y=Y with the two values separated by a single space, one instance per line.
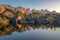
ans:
x=39 y=32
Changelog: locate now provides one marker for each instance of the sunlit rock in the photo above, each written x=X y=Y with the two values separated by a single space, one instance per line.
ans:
x=9 y=14
x=19 y=18
x=2 y=9
x=28 y=11
x=21 y=9
x=5 y=22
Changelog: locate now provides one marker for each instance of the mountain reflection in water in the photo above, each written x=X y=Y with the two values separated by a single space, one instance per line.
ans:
x=7 y=30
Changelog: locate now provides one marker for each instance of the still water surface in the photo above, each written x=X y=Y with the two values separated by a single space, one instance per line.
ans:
x=40 y=33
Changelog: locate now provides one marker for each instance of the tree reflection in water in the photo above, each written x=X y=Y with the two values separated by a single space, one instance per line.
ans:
x=7 y=30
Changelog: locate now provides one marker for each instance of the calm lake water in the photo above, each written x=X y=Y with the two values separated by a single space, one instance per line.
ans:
x=33 y=33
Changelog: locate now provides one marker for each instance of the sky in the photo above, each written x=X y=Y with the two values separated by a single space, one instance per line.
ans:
x=34 y=4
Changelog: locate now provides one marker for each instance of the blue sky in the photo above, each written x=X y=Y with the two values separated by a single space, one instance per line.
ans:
x=34 y=4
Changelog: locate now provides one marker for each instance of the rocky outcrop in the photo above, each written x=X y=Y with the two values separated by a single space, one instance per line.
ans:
x=8 y=13
x=2 y=9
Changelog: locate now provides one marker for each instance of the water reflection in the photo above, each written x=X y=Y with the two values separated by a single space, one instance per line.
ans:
x=7 y=30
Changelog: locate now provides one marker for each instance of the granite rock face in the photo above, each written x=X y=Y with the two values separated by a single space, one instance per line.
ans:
x=9 y=14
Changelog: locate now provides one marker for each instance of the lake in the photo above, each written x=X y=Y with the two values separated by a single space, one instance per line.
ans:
x=39 y=32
